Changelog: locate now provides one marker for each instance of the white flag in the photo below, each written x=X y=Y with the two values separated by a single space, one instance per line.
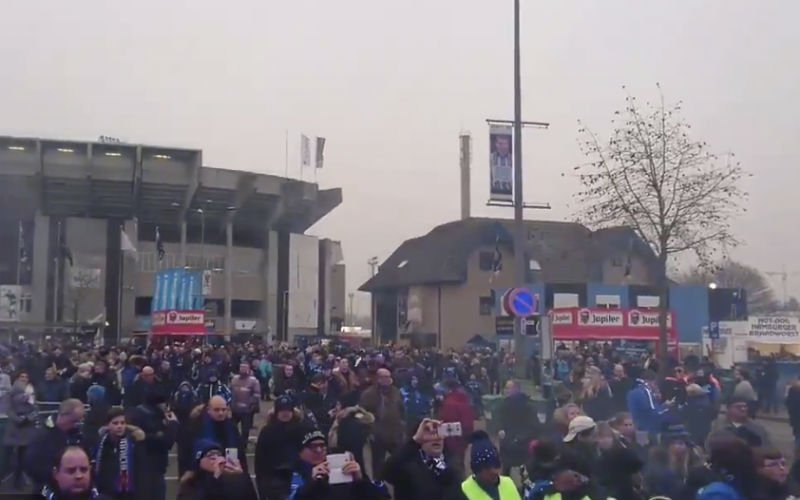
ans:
x=305 y=151
x=126 y=244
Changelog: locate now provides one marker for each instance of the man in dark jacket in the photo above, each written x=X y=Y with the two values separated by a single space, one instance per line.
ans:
x=48 y=442
x=277 y=448
x=320 y=402
x=418 y=469
x=310 y=480
x=145 y=383
x=213 y=422
x=518 y=423
x=160 y=429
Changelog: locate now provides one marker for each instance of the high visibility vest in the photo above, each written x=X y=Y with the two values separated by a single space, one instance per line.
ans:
x=472 y=490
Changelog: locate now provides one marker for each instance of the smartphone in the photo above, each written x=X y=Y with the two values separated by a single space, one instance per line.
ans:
x=450 y=429
x=231 y=454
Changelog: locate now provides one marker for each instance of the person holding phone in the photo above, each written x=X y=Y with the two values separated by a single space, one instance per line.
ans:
x=311 y=479
x=419 y=469
x=216 y=475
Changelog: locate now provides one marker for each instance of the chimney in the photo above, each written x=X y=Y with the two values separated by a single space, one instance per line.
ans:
x=465 y=146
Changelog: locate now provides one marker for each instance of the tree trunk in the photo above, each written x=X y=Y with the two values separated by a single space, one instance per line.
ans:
x=663 y=312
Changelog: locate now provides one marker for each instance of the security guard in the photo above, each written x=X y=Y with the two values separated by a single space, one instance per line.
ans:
x=486 y=483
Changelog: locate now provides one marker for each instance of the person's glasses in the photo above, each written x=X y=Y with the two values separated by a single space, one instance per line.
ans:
x=775 y=463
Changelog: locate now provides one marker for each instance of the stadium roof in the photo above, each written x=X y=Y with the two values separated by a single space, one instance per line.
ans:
x=155 y=184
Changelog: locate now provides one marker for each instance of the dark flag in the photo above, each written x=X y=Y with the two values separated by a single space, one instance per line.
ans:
x=66 y=253
x=159 y=245
x=497 y=259
x=629 y=259
x=23 y=252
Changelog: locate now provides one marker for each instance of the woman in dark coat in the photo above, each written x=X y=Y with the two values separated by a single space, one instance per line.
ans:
x=214 y=477
x=22 y=420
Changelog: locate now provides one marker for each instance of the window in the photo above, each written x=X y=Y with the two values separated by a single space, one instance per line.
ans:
x=566 y=300
x=245 y=308
x=486 y=261
x=647 y=301
x=608 y=301
x=486 y=306
x=143 y=306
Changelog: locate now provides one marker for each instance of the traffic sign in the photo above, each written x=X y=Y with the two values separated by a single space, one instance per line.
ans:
x=713 y=330
x=520 y=302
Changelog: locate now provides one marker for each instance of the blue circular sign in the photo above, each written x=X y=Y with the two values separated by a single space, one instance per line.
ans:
x=520 y=302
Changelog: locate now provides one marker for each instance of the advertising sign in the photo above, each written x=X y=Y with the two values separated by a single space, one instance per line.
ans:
x=607 y=324
x=501 y=171
x=774 y=330
x=178 y=303
x=178 y=323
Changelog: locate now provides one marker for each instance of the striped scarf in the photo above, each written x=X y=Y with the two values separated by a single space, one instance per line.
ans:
x=124 y=482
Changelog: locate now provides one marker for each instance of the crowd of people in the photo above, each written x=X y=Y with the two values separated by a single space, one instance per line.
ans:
x=607 y=427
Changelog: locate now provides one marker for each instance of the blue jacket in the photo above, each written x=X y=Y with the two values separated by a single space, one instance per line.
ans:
x=646 y=413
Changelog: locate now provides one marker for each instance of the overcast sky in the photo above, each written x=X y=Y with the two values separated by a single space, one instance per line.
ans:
x=391 y=85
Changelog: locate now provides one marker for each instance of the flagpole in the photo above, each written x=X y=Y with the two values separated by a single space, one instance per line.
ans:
x=286 y=152
x=19 y=251
x=56 y=274
x=119 y=287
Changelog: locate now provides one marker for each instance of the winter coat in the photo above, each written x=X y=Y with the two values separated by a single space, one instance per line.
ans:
x=389 y=424
x=457 y=407
x=417 y=404
x=753 y=433
x=106 y=465
x=698 y=413
x=276 y=452
x=47 y=443
x=303 y=487
x=517 y=416
x=645 y=411
x=22 y=418
x=413 y=479
x=320 y=405
x=600 y=406
x=201 y=426
x=793 y=407
x=200 y=485
x=52 y=391
x=159 y=437
x=78 y=386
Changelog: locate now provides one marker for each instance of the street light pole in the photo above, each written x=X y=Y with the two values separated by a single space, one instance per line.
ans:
x=519 y=228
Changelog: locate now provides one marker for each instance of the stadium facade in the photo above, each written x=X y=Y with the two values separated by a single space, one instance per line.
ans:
x=79 y=225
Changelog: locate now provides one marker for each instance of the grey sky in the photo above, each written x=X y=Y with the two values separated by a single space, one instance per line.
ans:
x=391 y=84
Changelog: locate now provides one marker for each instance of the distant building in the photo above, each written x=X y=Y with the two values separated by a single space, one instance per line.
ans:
x=84 y=199
x=438 y=289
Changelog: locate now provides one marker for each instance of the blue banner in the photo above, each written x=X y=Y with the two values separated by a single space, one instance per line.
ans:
x=177 y=290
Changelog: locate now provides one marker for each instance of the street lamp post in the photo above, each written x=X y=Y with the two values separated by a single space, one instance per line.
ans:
x=519 y=228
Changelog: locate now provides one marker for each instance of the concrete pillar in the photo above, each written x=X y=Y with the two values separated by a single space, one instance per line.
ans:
x=182 y=261
x=228 y=276
x=41 y=264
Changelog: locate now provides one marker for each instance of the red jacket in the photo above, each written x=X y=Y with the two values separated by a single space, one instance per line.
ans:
x=457 y=407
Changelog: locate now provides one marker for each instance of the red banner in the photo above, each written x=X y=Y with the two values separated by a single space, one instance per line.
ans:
x=608 y=324
x=178 y=323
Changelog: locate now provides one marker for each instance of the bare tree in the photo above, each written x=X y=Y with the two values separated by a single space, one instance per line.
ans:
x=82 y=284
x=732 y=274
x=670 y=189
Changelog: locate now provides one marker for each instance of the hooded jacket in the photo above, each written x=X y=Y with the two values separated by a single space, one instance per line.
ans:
x=276 y=452
x=457 y=407
x=106 y=465
x=645 y=411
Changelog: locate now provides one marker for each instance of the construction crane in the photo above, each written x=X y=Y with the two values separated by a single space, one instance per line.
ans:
x=784 y=276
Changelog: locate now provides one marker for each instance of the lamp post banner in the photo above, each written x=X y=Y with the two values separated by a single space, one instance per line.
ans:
x=501 y=176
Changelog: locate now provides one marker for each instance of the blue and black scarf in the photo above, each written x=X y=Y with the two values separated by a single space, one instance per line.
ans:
x=124 y=480
x=231 y=436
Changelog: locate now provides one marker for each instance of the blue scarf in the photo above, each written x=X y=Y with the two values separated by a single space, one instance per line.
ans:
x=124 y=481
x=231 y=439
